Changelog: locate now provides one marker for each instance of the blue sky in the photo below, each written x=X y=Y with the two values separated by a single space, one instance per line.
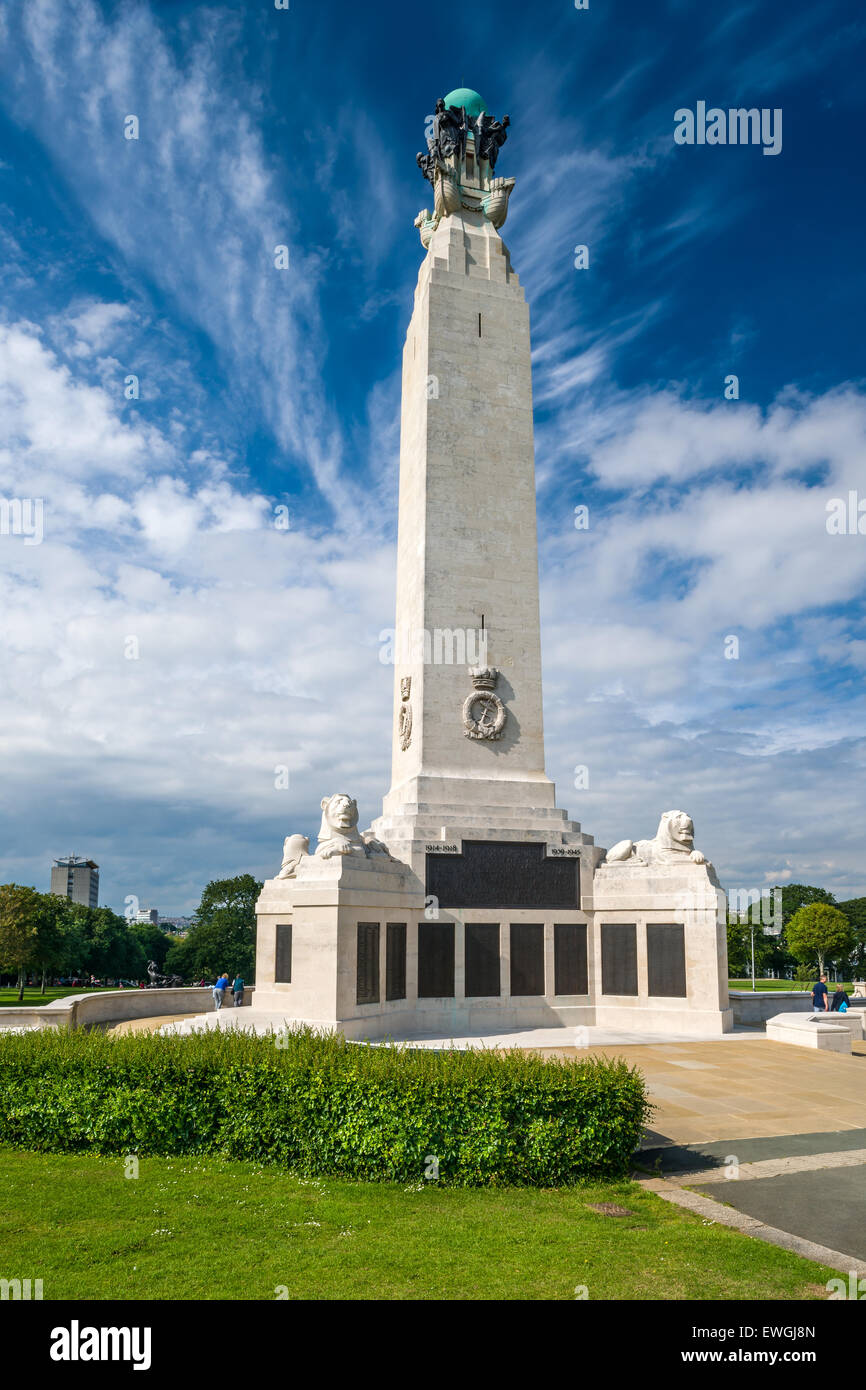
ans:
x=258 y=648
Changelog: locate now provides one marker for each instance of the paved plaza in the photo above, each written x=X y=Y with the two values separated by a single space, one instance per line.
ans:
x=744 y=1087
x=794 y=1119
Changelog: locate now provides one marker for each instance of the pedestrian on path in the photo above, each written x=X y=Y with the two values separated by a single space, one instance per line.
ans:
x=219 y=990
x=839 y=1002
x=238 y=990
x=819 y=995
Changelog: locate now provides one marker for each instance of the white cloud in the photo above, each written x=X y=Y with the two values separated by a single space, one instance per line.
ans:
x=168 y=638
x=194 y=206
x=673 y=439
x=258 y=648
x=57 y=426
x=95 y=325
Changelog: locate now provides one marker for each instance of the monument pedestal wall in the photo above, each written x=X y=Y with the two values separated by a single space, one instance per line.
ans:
x=643 y=953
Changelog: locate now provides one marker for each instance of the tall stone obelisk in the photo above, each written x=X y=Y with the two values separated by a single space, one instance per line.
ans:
x=468 y=743
x=473 y=902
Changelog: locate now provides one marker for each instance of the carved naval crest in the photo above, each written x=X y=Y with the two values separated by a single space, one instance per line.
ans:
x=404 y=718
x=484 y=714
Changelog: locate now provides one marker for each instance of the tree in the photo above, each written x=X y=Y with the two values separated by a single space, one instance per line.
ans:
x=855 y=911
x=819 y=932
x=19 y=924
x=107 y=947
x=153 y=941
x=55 y=940
x=794 y=896
x=740 y=947
x=223 y=931
x=797 y=895
x=181 y=960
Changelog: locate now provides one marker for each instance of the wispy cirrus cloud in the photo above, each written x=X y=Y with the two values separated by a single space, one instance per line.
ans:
x=195 y=206
x=259 y=648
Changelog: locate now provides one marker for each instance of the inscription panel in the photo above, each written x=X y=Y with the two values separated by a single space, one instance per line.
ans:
x=367 y=986
x=482 y=959
x=283 y=958
x=527 y=958
x=618 y=958
x=503 y=873
x=569 y=958
x=666 y=960
x=395 y=960
x=435 y=960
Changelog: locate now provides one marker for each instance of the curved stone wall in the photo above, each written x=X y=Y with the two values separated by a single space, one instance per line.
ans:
x=113 y=1006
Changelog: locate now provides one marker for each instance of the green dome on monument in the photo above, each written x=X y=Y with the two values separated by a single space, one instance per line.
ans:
x=464 y=96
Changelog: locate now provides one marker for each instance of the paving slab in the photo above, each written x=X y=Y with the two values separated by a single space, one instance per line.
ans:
x=826 y=1207
x=756 y=1089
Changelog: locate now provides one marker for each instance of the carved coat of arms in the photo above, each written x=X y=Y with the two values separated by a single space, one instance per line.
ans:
x=484 y=714
x=404 y=718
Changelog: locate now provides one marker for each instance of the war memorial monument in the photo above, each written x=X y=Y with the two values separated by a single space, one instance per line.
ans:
x=474 y=904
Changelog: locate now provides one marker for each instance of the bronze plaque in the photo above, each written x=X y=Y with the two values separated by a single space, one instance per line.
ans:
x=527 y=958
x=395 y=960
x=666 y=960
x=435 y=960
x=368 y=963
x=283 y=958
x=618 y=958
x=569 y=958
x=503 y=873
x=481 y=959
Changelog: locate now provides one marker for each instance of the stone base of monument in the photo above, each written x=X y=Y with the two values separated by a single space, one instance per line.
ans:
x=499 y=937
x=264 y=1024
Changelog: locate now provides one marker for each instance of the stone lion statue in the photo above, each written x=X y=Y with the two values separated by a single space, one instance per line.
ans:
x=674 y=842
x=338 y=834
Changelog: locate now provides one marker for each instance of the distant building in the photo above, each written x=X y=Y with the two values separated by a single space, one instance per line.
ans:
x=76 y=879
x=177 y=926
x=149 y=915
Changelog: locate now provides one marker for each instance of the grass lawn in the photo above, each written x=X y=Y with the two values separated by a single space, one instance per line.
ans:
x=33 y=995
x=203 y=1228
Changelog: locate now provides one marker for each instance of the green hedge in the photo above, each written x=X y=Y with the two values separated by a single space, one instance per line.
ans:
x=319 y=1105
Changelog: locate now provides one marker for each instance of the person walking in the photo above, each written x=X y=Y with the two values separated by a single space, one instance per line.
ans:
x=819 y=995
x=219 y=990
x=238 y=990
x=839 y=1002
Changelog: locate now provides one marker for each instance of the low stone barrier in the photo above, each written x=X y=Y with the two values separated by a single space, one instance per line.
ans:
x=115 y=1005
x=811 y=1030
x=756 y=1008
x=853 y=1019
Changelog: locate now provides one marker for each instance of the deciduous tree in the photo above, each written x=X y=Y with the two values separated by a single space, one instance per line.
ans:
x=819 y=932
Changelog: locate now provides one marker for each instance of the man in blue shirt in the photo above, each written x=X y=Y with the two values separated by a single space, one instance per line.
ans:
x=819 y=995
x=219 y=990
